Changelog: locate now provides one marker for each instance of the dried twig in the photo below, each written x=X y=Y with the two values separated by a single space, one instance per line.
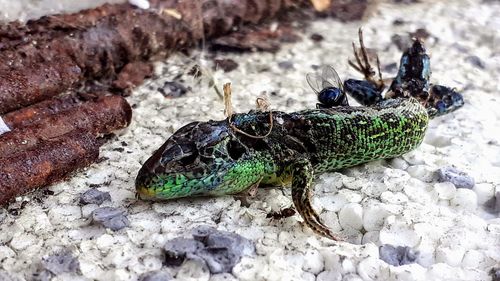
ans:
x=228 y=112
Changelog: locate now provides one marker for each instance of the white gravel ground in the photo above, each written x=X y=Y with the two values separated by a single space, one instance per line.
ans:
x=395 y=202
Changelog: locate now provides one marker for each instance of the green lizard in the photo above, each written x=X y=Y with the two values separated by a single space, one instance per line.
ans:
x=244 y=151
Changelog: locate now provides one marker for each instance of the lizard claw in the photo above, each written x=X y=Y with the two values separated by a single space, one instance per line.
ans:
x=301 y=195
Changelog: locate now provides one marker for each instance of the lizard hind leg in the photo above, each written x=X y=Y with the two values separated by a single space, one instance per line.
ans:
x=302 y=187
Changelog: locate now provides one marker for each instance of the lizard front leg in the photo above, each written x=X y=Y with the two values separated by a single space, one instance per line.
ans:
x=302 y=189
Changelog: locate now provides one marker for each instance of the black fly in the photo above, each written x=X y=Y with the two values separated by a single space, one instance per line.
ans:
x=328 y=86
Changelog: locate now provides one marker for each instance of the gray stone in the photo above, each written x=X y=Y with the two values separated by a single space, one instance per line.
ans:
x=111 y=218
x=458 y=178
x=61 y=262
x=397 y=255
x=94 y=196
x=155 y=276
x=220 y=250
x=177 y=249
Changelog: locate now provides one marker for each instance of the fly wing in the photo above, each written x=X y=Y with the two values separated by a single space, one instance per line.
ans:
x=326 y=78
x=331 y=78
x=315 y=82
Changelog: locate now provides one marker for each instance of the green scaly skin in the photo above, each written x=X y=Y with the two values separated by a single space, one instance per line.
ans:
x=215 y=158
x=211 y=158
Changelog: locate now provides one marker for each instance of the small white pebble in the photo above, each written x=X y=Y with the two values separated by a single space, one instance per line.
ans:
x=90 y=269
x=445 y=190
x=64 y=213
x=373 y=217
x=3 y=127
x=22 y=241
x=393 y=197
x=371 y=237
x=351 y=216
x=313 y=262
x=332 y=260
x=484 y=192
x=373 y=269
x=435 y=139
x=329 y=276
x=465 y=199
x=450 y=255
x=443 y=271
x=143 y=4
x=399 y=163
x=409 y=272
x=348 y=266
x=332 y=203
x=398 y=233
x=472 y=259
x=352 y=183
x=222 y=277
x=352 y=277
x=104 y=242
x=420 y=172
x=248 y=268
x=6 y=252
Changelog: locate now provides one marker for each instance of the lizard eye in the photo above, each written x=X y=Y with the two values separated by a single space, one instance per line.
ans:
x=235 y=150
x=189 y=158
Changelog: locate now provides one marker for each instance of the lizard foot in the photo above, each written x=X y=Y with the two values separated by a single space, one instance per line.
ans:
x=301 y=194
x=363 y=65
x=369 y=91
x=248 y=193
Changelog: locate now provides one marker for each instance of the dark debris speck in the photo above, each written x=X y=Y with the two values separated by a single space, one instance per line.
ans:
x=406 y=1
x=94 y=196
x=316 y=37
x=42 y=275
x=398 y=22
x=155 y=276
x=397 y=255
x=286 y=65
x=391 y=67
x=495 y=274
x=227 y=65
x=458 y=178
x=493 y=204
x=111 y=218
x=402 y=42
x=220 y=250
x=420 y=33
x=476 y=61
x=173 y=89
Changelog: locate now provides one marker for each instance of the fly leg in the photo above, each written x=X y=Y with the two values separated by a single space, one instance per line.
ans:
x=302 y=188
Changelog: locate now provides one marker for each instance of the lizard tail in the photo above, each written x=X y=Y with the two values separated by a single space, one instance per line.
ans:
x=302 y=186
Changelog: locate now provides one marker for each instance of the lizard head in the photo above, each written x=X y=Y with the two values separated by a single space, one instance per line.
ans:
x=201 y=158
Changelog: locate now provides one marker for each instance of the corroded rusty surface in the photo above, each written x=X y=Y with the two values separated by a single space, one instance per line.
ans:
x=47 y=163
x=37 y=112
x=101 y=116
x=57 y=53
